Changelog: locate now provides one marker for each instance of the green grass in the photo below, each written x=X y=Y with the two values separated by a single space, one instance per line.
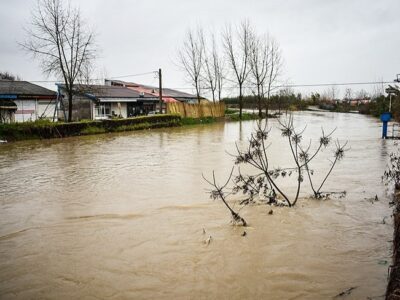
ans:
x=194 y=121
x=133 y=127
x=92 y=130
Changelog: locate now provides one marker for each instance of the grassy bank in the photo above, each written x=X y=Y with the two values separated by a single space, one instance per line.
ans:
x=46 y=129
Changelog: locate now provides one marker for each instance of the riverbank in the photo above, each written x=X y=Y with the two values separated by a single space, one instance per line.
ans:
x=393 y=288
x=47 y=130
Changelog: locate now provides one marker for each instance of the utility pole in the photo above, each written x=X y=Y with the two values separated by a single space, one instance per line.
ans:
x=160 y=89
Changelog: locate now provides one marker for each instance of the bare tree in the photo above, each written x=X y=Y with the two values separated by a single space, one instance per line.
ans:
x=9 y=76
x=333 y=92
x=275 y=69
x=219 y=68
x=348 y=94
x=378 y=90
x=64 y=45
x=362 y=94
x=213 y=68
x=259 y=66
x=191 y=58
x=237 y=50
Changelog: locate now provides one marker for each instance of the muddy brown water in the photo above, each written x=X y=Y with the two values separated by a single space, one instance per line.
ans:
x=121 y=216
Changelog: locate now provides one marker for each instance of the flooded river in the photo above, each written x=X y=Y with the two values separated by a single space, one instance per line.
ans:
x=121 y=216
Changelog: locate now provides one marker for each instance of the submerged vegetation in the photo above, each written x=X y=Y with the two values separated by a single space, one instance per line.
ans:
x=262 y=184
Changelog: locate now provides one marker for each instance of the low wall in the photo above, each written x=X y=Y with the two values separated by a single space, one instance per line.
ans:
x=202 y=110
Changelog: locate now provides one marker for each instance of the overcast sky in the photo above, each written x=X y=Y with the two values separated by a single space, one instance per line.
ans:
x=322 y=41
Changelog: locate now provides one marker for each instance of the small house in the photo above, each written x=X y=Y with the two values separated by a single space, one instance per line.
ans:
x=22 y=101
x=97 y=102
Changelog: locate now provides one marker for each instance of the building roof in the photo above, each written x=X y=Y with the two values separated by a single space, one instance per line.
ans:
x=10 y=87
x=154 y=90
x=108 y=91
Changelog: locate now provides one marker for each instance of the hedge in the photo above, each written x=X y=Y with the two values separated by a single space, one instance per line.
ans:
x=45 y=129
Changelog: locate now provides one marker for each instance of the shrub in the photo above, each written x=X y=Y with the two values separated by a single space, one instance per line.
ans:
x=44 y=129
x=92 y=130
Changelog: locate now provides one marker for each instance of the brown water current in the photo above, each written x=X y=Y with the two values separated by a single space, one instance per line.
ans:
x=121 y=216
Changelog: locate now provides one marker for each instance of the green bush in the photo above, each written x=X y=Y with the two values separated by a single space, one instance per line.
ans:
x=44 y=129
x=92 y=130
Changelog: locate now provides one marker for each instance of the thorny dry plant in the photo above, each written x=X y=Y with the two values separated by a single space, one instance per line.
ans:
x=392 y=172
x=264 y=184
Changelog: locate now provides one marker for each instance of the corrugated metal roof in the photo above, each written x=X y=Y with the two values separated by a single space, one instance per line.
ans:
x=108 y=91
x=10 y=87
x=166 y=91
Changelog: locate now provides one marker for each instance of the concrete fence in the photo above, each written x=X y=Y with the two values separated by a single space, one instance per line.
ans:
x=197 y=110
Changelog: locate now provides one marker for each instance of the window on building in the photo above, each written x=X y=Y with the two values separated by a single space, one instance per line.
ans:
x=103 y=110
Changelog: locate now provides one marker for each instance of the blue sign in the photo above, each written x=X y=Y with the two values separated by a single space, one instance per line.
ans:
x=7 y=96
x=386 y=116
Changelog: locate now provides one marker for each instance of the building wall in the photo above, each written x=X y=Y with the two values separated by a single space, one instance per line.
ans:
x=26 y=110
x=46 y=109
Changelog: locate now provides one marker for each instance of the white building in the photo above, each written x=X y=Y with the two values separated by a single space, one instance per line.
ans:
x=25 y=102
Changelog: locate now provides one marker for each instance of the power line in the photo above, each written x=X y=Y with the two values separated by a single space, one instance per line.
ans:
x=133 y=75
x=304 y=85
x=94 y=79
x=335 y=84
x=237 y=86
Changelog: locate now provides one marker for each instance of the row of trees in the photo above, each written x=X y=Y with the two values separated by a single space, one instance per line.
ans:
x=333 y=93
x=240 y=56
x=4 y=75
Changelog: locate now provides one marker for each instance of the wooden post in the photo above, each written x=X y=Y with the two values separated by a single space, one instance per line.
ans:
x=160 y=89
